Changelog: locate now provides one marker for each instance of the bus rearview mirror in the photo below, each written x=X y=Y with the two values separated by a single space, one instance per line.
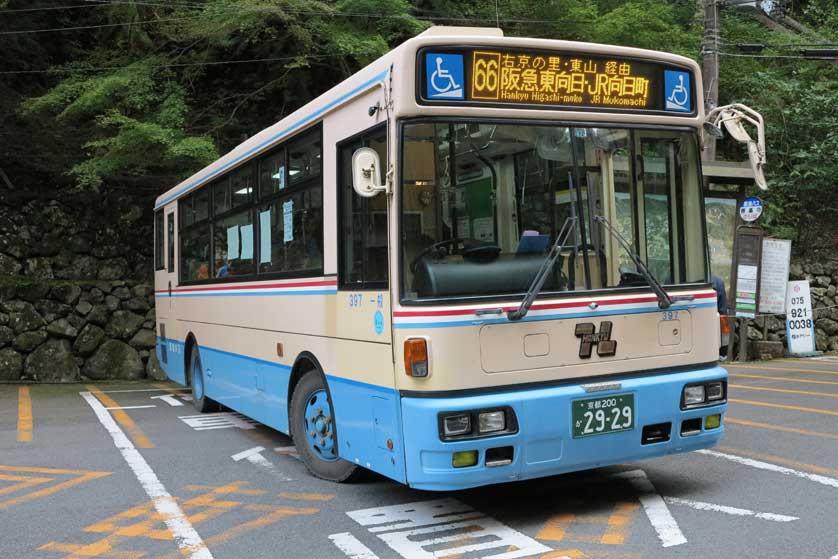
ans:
x=366 y=173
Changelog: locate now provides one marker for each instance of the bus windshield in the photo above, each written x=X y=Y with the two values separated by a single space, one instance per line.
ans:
x=482 y=203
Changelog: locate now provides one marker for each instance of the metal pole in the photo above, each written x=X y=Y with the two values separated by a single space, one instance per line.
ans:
x=710 y=69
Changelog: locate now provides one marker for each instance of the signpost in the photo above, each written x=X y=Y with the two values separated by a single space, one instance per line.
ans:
x=800 y=324
x=746 y=267
x=751 y=209
x=776 y=255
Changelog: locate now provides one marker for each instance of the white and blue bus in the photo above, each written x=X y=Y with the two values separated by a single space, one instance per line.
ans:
x=479 y=259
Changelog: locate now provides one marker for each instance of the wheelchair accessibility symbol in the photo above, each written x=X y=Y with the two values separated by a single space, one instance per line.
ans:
x=677 y=91
x=444 y=73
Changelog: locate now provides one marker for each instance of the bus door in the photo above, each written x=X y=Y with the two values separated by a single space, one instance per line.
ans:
x=171 y=265
x=171 y=352
x=363 y=249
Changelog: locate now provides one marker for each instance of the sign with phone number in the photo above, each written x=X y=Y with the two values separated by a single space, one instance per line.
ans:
x=800 y=324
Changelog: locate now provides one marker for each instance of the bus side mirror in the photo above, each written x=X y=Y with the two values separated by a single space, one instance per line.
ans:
x=366 y=173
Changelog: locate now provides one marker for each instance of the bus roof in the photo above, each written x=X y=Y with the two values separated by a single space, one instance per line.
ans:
x=375 y=74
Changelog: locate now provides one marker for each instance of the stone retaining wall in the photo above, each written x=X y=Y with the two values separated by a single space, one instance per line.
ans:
x=68 y=331
x=76 y=300
x=823 y=280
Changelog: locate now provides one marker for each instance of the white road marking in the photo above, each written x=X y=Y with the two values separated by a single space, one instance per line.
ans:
x=186 y=397
x=186 y=538
x=402 y=526
x=353 y=548
x=223 y=420
x=823 y=480
x=656 y=510
x=141 y=390
x=699 y=505
x=169 y=399
x=253 y=456
x=130 y=407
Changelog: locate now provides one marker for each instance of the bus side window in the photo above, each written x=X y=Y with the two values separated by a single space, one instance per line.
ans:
x=362 y=224
x=170 y=226
x=159 y=240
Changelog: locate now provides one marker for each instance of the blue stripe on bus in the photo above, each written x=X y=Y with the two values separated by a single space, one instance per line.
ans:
x=251 y=294
x=274 y=138
x=482 y=321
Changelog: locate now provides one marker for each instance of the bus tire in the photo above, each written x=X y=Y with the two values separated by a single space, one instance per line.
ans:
x=314 y=432
x=195 y=376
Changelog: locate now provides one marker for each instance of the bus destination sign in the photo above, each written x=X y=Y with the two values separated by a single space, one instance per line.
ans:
x=558 y=79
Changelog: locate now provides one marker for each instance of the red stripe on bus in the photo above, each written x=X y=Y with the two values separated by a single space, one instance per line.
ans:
x=573 y=304
x=263 y=286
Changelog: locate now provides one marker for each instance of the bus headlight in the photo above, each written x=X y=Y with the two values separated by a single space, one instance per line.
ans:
x=715 y=391
x=702 y=394
x=477 y=424
x=694 y=395
x=492 y=421
x=455 y=425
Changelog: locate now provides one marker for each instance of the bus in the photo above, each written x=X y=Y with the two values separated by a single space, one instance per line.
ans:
x=479 y=259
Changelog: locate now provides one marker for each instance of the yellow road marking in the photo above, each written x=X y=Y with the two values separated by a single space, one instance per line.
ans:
x=554 y=528
x=144 y=522
x=123 y=419
x=806 y=361
x=618 y=523
x=784 y=379
x=306 y=496
x=24 y=415
x=783 y=406
x=83 y=476
x=790 y=369
x=782 y=428
x=23 y=482
x=785 y=390
x=780 y=460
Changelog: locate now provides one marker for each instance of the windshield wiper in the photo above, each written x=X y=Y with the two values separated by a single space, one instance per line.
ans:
x=664 y=299
x=541 y=276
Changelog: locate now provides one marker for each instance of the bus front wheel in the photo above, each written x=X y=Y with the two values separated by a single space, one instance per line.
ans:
x=196 y=380
x=314 y=431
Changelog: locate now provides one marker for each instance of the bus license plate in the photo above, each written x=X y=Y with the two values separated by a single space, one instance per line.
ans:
x=606 y=414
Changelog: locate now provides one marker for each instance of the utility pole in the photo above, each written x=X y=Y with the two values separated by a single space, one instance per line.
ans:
x=710 y=69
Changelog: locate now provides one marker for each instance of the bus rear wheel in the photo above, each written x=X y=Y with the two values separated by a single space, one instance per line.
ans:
x=196 y=379
x=314 y=431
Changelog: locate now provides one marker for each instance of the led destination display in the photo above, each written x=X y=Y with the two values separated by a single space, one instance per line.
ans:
x=560 y=79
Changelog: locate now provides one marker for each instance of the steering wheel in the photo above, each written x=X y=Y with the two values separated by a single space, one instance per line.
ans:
x=437 y=249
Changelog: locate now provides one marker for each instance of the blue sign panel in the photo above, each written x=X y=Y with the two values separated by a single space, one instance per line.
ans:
x=677 y=91
x=751 y=209
x=444 y=76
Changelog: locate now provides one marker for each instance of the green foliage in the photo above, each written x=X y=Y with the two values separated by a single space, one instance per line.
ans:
x=151 y=103
x=647 y=24
x=799 y=102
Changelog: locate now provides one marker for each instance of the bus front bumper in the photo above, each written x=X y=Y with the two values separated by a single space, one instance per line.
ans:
x=543 y=444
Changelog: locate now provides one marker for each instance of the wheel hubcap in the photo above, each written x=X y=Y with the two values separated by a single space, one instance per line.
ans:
x=318 y=426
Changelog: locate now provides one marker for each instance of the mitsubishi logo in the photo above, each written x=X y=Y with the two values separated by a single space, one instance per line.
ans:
x=605 y=346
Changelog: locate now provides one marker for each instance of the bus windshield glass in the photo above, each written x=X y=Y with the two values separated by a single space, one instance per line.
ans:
x=482 y=204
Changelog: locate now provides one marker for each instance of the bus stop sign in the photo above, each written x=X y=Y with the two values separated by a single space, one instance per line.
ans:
x=751 y=209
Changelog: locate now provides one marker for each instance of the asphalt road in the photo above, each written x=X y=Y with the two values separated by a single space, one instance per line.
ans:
x=76 y=480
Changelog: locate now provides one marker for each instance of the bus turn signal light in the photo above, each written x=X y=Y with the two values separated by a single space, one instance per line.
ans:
x=416 y=357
